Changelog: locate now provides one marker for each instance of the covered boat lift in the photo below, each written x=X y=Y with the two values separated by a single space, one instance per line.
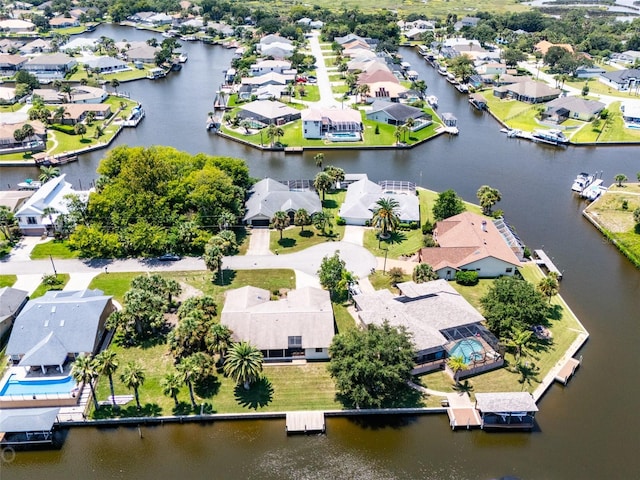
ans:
x=27 y=426
x=506 y=410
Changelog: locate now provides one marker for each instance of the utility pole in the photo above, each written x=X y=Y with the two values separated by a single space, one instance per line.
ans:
x=384 y=267
x=53 y=265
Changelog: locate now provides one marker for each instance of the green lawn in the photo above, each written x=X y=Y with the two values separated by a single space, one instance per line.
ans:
x=7 y=280
x=311 y=93
x=344 y=320
x=381 y=280
x=55 y=248
x=42 y=288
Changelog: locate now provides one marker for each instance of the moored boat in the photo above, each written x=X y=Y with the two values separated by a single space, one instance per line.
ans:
x=432 y=100
x=553 y=136
x=582 y=181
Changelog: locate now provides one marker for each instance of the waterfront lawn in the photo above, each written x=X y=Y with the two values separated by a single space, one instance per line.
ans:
x=63 y=278
x=614 y=130
x=55 y=248
x=7 y=280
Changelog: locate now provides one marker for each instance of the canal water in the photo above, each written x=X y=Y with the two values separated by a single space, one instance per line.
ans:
x=588 y=430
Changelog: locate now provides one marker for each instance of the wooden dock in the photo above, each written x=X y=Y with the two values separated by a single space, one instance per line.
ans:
x=567 y=370
x=543 y=260
x=305 y=422
x=464 y=418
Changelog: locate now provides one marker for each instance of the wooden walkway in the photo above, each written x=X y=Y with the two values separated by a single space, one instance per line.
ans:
x=544 y=260
x=305 y=422
x=567 y=370
x=463 y=418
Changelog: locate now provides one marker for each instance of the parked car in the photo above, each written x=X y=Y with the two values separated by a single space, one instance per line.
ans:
x=169 y=257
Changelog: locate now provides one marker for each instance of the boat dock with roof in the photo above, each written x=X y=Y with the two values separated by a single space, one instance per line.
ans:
x=305 y=422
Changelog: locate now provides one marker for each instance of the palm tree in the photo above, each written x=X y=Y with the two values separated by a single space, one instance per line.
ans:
x=363 y=90
x=84 y=372
x=244 y=364
x=59 y=114
x=280 y=221
x=274 y=133
x=398 y=134
x=385 y=216
x=621 y=177
x=457 y=365
x=189 y=370
x=47 y=173
x=66 y=89
x=219 y=340
x=488 y=197
x=27 y=131
x=336 y=174
x=106 y=363
x=301 y=218
x=213 y=258
x=519 y=340
x=80 y=129
x=115 y=83
x=319 y=158
x=171 y=384
x=548 y=286
x=133 y=378
x=424 y=273
x=321 y=221
x=323 y=182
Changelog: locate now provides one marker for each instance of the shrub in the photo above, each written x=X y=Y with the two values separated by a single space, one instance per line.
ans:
x=68 y=129
x=427 y=227
x=428 y=241
x=469 y=278
x=413 y=225
x=396 y=275
x=404 y=226
x=625 y=205
x=527 y=252
x=377 y=130
x=340 y=221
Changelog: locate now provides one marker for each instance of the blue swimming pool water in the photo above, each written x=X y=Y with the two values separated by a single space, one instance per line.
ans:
x=467 y=348
x=42 y=386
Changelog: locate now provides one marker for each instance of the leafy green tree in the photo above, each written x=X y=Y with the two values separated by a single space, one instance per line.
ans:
x=447 y=205
x=106 y=363
x=371 y=366
x=396 y=275
x=323 y=182
x=620 y=178
x=457 y=364
x=488 y=197
x=133 y=378
x=385 y=216
x=171 y=384
x=331 y=274
x=636 y=215
x=8 y=223
x=321 y=221
x=280 y=221
x=80 y=129
x=513 y=304
x=83 y=371
x=115 y=83
x=244 y=364
x=213 y=259
x=301 y=218
x=189 y=335
x=424 y=273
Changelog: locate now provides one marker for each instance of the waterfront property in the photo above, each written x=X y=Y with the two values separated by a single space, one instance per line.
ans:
x=473 y=242
x=506 y=410
x=578 y=108
x=443 y=324
x=11 y=302
x=27 y=426
x=269 y=196
x=529 y=91
x=299 y=326
x=622 y=80
x=362 y=195
x=268 y=112
x=50 y=67
x=398 y=114
x=318 y=123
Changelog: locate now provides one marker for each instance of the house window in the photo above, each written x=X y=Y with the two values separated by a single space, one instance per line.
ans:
x=295 y=341
x=318 y=350
x=31 y=220
x=509 y=270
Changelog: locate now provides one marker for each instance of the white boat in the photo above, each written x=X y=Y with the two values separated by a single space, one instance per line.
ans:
x=594 y=190
x=183 y=57
x=553 y=136
x=582 y=181
x=432 y=100
x=29 y=184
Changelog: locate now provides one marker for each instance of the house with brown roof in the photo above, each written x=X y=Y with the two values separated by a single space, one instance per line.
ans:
x=530 y=91
x=470 y=242
x=77 y=112
x=298 y=326
x=543 y=47
x=10 y=64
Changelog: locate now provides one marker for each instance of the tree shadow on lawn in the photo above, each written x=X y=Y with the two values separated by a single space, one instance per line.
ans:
x=86 y=140
x=395 y=238
x=555 y=313
x=207 y=387
x=228 y=276
x=259 y=395
x=306 y=234
x=636 y=229
x=330 y=204
x=286 y=242
x=109 y=411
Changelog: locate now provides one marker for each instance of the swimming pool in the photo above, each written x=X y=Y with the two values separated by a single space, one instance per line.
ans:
x=469 y=349
x=40 y=386
x=343 y=137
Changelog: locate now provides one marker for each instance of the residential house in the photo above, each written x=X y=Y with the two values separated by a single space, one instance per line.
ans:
x=468 y=241
x=298 y=326
x=11 y=302
x=268 y=66
x=10 y=64
x=8 y=96
x=63 y=22
x=438 y=319
x=269 y=196
x=138 y=51
x=34 y=217
x=272 y=78
x=273 y=38
x=589 y=72
x=80 y=44
x=543 y=47
x=491 y=68
x=530 y=91
x=578 y=108
x=622 y=80
x=277 y=50
x=221 y=28
x=316 y=123
x=631 y=114
x=50 y=67
x=389 y=91
x=16 y=26
x=268 y=112
x=106 y=65
x=34 y=143
x=628 y=56
x=8 y=45
x=38 y=45
x=268 y=92
x=59 y=326
x=377 y=72
x=77 y=112
x=362 y=195
x=468 y=22
x=396 y=113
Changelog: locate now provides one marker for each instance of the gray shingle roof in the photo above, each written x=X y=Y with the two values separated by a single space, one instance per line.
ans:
x=361 y=198
x=11 y=299
x=269 y=196
x=15 y=420
x=505 y=402
x=398 y=111
x=622 y=76
x=576 y=104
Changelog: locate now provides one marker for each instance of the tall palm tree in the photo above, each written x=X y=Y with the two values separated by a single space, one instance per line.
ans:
x=301 y=218
x=115 y=83
x=47 y=173
x=133 y=378
x=423 y=272
x=106 y=363
x=519 y=340
x=319 y=158
x=385 y=216
x=619 y=178
x=213 y=258
x=189 y=370
x=171 y=384
x=226 y=219
x=280 y=221
x=84 y=372
x=457 y=365
x=548 y=286
x=219 y=340
x=323 y=182
x=244 y=364
x=321 y=221
x=274 y=133
x=488 y=197
x=50 y=212
x=66 y=89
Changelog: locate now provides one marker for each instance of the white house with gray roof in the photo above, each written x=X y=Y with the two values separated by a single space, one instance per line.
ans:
x=622 y=80
x=393 y=113
x=360 y=203
x=50 y=67
x=298 y=326
x=269 y=196
x=574 y=107
x=59 y=326
x=268 y=112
